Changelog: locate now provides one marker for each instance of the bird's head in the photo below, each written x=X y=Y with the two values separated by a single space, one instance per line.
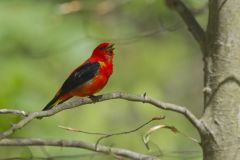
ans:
x=104 y=51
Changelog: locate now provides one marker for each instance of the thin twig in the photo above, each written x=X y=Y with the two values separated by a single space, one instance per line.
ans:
x=116 y=95
x=76 y=144
x=78 y=130
x=14 y=111
x=161 y=28
x=107 y=135
x=127 y=132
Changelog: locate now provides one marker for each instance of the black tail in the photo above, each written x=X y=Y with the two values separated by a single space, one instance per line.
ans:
x=55 y=101
x=51 y=104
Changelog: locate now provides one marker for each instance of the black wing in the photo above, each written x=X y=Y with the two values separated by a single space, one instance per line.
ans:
x=80 y=76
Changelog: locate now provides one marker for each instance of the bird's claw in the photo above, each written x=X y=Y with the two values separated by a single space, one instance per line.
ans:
x=95 y=98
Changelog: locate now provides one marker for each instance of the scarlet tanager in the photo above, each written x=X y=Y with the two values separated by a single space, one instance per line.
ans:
x=89 y=78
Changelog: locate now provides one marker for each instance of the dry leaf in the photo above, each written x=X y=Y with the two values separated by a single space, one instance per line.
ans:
x=147 y=135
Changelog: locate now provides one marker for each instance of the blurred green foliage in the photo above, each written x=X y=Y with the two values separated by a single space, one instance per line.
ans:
x=42 y=41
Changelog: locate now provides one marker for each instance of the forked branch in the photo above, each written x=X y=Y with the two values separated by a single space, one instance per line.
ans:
x=116 y=95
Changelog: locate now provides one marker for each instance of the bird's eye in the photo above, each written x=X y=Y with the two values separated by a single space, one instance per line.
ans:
x=103 y=48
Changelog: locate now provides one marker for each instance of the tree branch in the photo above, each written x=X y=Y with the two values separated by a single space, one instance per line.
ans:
x=77 y=144
x=187 y=16
x=107 y=135
x=117 y=95
x=13 y=111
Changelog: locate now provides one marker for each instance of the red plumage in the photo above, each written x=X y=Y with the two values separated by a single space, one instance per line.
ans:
x=89 y=78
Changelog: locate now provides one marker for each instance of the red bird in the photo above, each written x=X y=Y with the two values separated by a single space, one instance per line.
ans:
x=88 y=78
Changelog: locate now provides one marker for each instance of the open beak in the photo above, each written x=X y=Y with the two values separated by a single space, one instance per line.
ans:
x=110 y=47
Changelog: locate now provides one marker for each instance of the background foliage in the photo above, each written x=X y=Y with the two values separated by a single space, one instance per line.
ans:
x=42 y=41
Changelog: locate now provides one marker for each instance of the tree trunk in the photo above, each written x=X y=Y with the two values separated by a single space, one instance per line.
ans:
x=221 y=117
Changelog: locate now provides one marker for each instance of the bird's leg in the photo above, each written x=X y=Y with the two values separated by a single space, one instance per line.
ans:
x=95 y=98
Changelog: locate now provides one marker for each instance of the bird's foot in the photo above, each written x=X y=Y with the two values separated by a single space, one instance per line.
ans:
x=95 y=98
